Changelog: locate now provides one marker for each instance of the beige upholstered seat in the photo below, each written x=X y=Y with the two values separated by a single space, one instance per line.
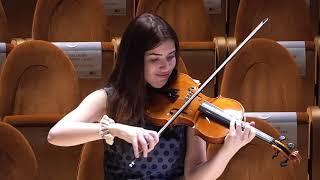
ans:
x=289 y=20
x=263 y=77
x=17 y=159
x=38 y=85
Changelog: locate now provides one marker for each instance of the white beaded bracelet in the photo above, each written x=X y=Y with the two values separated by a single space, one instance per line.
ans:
x=104 y=129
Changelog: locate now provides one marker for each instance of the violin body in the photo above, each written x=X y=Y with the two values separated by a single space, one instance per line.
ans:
x=162 y=108
x=209 y=117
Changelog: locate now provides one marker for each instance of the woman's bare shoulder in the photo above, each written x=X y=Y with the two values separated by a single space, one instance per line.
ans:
x=96 y=102
x=96 y=99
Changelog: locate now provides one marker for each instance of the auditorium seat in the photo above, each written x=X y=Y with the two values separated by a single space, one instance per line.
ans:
x=38 y=85
x=3 y=25
x=69 y=20
x=75 y=21
x=5 y=48
x=254 y=161
x=178 y=14
x=39 y=73
x=289 y=20
x=19 y=17
x=17 y=159
x=264 y=82
x=119 y=15
x=3 y=34
x=91 y=161
x=190 y=27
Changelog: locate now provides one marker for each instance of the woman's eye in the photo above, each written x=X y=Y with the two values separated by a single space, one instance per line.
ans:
x=154 y=60
x=171 y=58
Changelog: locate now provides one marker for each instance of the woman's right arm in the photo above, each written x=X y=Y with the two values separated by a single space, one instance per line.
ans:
x=82 y=125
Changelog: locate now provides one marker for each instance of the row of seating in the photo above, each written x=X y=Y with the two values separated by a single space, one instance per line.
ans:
x=35 y=72
x=206 y=51
x=200 y=58
x=58 y=21
x=65 y=27
x=31 y=19
x=18 y=16
x=18 y=160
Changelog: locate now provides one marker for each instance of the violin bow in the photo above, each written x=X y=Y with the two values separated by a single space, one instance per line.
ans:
x=208 y=80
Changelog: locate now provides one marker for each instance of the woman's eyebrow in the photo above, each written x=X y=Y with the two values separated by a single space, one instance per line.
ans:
x=172 y=52
x=157 y=54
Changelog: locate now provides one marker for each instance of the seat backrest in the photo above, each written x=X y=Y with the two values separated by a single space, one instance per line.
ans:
x=263 y=77
x=17 y=160
x=38 y=78
x=38 y=85
x=75 y=21
x=181 y=66
x=3 y=25
x=19 y=16
x=254 y=161
x=119 y=16
x=189 y=26
x=54 y=162
x=190 y=20
x=92 y=63
x=289 y=20
x=91 y=161
x=70 y=20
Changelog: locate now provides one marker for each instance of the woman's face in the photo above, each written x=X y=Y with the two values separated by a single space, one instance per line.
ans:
x=159 y=63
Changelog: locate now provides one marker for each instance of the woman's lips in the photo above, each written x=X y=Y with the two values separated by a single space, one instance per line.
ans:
x=163 y=75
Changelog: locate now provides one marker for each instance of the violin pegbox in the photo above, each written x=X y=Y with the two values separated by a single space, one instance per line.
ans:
x=192 y=89
x=197 y=82
x=290 y=155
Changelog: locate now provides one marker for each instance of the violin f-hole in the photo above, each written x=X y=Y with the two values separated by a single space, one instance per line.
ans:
x=173 y=111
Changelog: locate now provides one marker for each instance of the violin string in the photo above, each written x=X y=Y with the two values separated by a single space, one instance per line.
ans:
x=226 y=118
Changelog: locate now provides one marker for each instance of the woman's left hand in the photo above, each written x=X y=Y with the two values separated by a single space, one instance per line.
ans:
x=240 y=134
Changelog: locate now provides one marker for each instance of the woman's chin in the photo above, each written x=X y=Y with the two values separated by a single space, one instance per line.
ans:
x=158 y=84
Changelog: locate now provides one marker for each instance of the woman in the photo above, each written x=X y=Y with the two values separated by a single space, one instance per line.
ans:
x=146 y=63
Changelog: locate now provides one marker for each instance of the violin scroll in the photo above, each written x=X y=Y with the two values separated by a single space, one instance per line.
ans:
x=290 y=155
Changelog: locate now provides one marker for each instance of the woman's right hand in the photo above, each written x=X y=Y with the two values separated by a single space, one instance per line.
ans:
x=141 y=139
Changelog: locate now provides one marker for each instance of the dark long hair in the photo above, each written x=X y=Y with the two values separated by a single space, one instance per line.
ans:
x=126 y=102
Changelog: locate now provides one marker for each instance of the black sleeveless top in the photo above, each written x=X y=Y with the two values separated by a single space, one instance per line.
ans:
x=166 y=161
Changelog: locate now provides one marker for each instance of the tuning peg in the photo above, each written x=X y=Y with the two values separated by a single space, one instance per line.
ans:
x=291 y=146
x=275 y=154
x=282 y=138
x=284 y=163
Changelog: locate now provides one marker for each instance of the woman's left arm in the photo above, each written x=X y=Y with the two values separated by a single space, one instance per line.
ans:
x=196 y=164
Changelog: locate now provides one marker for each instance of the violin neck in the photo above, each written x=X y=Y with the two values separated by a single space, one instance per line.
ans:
x=214 y=112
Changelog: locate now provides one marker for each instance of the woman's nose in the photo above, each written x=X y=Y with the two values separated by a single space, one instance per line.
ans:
x=164 y=64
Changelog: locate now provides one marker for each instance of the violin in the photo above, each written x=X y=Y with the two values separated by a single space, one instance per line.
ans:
x=209 y=117
x=182 y=103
